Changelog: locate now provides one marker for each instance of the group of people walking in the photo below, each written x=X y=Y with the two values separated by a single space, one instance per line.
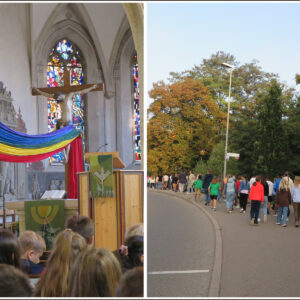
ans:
x=262 y=193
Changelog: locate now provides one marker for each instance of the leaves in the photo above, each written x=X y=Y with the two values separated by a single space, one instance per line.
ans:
x=183 y=123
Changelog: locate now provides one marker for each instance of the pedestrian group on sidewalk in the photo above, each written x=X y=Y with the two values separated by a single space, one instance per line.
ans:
x=262 y=193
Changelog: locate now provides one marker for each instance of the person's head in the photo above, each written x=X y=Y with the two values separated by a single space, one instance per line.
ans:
x=95 y=273
x=132 y=283
x=135 y=229
x=262 y=179
x=9 y=248
x=135 y=256
x=32 y=246
x=284 y=184
x=257 y=179
x=199 y=177
x=67 y=247
x=297 y=181
x=208 y=171
x=214 y=180
x=13 y=282
x=286 y=174
x=82 y=225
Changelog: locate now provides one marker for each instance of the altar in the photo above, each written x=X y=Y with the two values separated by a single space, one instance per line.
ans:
x=112 y=216
x=70 y=209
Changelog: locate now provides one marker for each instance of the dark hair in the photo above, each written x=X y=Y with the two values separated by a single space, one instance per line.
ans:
x=199 y=177
x=9 y=248
x=132 y=283
x=82 y=225
x=257 y=179
x=135 y=246
x=263 y=180
x=13 y=282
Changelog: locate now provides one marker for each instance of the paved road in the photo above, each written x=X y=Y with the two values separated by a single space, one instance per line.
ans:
x=181 y=242
x=257 y=261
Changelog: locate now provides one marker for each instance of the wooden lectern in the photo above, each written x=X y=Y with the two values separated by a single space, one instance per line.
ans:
x=113 y=216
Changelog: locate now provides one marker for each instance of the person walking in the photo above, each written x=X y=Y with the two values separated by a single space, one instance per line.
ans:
x=206 y=182
x=182 y=181
x=165 y=181
x=283 y=200
x=152 y=181
x=256 y=196
x=244 y=193
x=238 y=183
x=230 y=193
x=296 y=199
x=191 y=180
x=270 y=197
x=275 y=190
x=174 y=182
x=213 y=190
x=266 y=193
x=197 y=185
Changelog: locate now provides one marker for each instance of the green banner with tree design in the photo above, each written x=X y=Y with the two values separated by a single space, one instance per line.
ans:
x=101 y=175
x=46 y=217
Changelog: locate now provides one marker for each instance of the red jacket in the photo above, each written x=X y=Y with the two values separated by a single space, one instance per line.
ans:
x=257 y=192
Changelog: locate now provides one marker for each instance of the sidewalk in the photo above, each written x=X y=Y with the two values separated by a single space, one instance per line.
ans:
x=257 y=261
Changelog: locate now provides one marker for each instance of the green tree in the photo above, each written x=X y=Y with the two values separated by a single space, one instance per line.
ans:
x=249 y=82
x=184 y=123
x=201 y=167
x=270 y=147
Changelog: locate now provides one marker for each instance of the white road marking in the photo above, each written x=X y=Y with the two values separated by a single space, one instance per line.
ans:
x=178 y=272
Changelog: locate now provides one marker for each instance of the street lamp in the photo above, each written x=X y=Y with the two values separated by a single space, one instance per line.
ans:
x=228 y=109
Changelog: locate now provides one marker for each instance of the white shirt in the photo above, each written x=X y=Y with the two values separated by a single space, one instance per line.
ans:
x=252 y=180
x=296 y=194
x=270 y=183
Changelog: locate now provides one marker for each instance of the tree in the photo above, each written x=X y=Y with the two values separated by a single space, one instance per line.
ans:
x=249 y=82
x=292 y=125
x=263 y=140
x=184 y=123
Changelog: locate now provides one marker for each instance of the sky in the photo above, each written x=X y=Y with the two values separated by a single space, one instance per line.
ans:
x=181 y=35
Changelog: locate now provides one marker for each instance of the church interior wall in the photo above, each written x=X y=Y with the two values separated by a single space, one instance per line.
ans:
x=98 y=30
x=15 y=71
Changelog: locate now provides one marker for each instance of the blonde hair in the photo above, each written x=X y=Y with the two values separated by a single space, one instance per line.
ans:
x=95 y=273
x=30 y=240
x=136 y=229
x=54 y=282
x=284 y=184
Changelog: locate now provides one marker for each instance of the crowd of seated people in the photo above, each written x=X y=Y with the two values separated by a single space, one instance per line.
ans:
x=74 y=268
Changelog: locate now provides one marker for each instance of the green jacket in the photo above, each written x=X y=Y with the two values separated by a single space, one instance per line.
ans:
x=198 y=184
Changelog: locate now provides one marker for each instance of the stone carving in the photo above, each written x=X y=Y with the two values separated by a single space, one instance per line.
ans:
x=13 y=176
x=35 y=188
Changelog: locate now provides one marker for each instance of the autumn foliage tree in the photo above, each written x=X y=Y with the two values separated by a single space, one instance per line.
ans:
x=184 y=123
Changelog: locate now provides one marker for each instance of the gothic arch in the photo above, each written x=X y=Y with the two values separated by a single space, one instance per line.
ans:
x=121 y=59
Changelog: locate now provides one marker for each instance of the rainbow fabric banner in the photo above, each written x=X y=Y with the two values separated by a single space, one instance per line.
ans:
x=20 y=147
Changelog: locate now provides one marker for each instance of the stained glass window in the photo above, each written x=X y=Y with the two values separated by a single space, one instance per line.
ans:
x=64 y=56
x=136 y=111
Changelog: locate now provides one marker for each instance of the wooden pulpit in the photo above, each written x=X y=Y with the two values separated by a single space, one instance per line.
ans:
x=113 y=216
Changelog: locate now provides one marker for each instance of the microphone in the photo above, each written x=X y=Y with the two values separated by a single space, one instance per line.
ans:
x=101 y=147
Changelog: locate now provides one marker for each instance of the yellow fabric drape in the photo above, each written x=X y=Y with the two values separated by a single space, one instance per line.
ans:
x=9 y=150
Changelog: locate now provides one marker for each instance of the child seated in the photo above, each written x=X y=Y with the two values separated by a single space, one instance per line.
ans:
x=32 y=247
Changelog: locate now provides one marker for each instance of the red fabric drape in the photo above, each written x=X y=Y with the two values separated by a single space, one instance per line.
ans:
x=75 y=165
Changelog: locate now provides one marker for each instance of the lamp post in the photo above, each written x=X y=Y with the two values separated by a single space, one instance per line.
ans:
x=228 y=109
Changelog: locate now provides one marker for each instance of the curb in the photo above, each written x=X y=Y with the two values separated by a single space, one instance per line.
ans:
x=215 y=281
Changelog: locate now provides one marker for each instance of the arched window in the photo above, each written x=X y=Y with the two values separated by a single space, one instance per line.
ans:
x=64 y=56
x=136 y=110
